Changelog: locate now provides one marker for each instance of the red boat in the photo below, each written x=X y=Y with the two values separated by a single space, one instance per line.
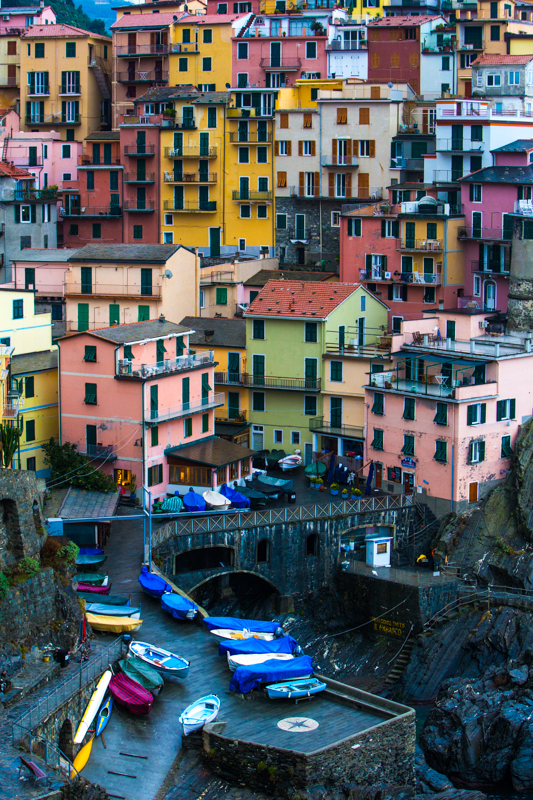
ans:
x=89 y=587
x=131 y=694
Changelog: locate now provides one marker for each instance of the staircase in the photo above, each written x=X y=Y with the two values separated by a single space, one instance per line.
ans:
x=4 y=149
x=101 y=79
x=400 y=662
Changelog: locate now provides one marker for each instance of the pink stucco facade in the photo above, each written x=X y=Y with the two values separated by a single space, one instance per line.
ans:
x=14 y=18
x=278 y=61
x=50 y=161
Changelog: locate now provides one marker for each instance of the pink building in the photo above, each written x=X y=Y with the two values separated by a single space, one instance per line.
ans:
x=17 y=19
x=137 y=398
x=50 y=160
x=490 y=197
x=443 y=420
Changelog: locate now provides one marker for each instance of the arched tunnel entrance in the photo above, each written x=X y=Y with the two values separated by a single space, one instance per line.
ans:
x=204 y=558
x=236 y=594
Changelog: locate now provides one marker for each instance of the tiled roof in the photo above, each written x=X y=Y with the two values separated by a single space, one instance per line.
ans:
x=56 y=31
x=100 y=136
x=300 y=299
x=134 y=332
x=226 y=332
x=212 y=452
x=33 y=362
x=46 y=255
x=8 y=170
x=184 y=92
x=22 y=10
x=400 y=22
x=518 y=146
x=483 y=61
x=262 y=277
x=156 y=4
x=144 y=21
x=501 y=175
x=209 y=19
x=125 y=252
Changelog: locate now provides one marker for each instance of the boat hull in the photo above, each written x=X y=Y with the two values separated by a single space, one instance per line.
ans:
x=131 y=694
x=199 y=713
x=103 y=715
x=90 y=588
x=138 y=671
x=93 y=578
x=162 y=661
x=113 y=624
x=153 y=584
x=82 y=758
x=92 y=709
x=239 y=636
x=234 y=662
x=104 y=610
x=107 y=599
x=295 y=690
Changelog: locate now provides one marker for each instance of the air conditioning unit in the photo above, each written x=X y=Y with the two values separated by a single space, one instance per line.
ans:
x=483 y=323
x=388 y=276
x=6 y=17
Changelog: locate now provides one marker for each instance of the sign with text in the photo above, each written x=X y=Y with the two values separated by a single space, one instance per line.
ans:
x=408 y=463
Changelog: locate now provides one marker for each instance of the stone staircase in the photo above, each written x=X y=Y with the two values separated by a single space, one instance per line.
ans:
x=401 y=662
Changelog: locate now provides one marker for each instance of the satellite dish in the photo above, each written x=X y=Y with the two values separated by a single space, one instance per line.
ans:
x=168 y=274
x=228 y=86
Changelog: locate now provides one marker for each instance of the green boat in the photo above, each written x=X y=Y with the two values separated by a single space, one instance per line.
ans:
x=108 y=599
x=273 y=457
x=138 y=671
x=318 y=468
x=92 y=577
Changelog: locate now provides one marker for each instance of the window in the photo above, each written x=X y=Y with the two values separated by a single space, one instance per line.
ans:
x=295 y=437
x=514 y=78
x=242 y=51
x=378 y=407
x=283 y=147
x=90 y=353
x=494 y=79
x=506 y=451
x=311 y=331
x=18 y=309
x=336 y=371
x=155 y=474
x=97 y=230
x=242 y=247
x=31 y=464
x=262 y=212
x=205 y=423
x=476 y=192
x=342 y=116
x=309 y=184
x=441 y=451
x=258 y=329
x=505 y=409
x=476 y=452
x=308 y=121
x=284 y=120
x=477 y=286
x=409 y=408
x=281 y=222
x=441 y=417
x=377 y=441
x=211 y=117
x=30 y=430
x=310 y=406
x=206 y=63
x=208 y=36
x=154 y=436
x=29 y=386
x=244 y=155
x=71 y=50
x=476 y=414
x=183 y=63
x=246 y=212
x=187 y=427
x=310 y=49
x=445 y=67
x=73 y=230
x=221 y=296
x=262 y=155
x=408 y=448
x=39 y=50
x=355 y=227
x=495 y=33
x=90 y=180
x=137 y=231
x=57 y=312
x=258 y=401
x=335 y=219
x=390 y=228
x=90 y=394
x=12 y=48
x=278 y=436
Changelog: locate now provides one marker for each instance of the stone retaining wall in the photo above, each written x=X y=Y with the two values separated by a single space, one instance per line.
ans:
x=28 y=608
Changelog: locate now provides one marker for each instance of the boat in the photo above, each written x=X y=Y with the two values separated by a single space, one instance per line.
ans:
x=161 y=660
x=244 y=679
x=285 y=644
x=131 y=694
x=171 y=505
x=273 y=458
x=90 y=559
x=178 y=606
x=89 y=588
x=153 y=584
x=112 y=624
x=216 y=499
x=316 y=469
x=92 y=709
x=240 y=635
x=290 y=462
x=199 y=713
x=255 y=497
x=281 y=484
x=103 y=715
x=238 y=624
x=90 y=551
x=138 y=671
x=81 y=758
x=113 y=611
x=193 y=501
x=293 y=690
x=107 y=599
x=236 y=499
x=234 y=662
x=93 y=578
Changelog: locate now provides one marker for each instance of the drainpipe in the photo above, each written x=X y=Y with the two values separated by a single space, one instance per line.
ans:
x=59 y=387
x=453 y=454
x=320 y=172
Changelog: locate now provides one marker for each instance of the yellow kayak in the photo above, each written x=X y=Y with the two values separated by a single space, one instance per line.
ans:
x=82 y=758
x=112 y=624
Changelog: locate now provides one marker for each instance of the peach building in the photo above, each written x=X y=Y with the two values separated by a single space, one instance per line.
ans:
x=443 y=419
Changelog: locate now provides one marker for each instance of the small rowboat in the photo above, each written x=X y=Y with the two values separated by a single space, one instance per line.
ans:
x=216 y=500
x=89 y=588
x=281 y=484
x=106 y=610
x=317 y=469
x=240 y=635
x=93 y=578
x=161 y=660
x=290 y=462
x=234 y=662
x=138 y=671
x=90 y=551
x=131 y=694
x=90 y=560
x=113 y=624
x=108 y=599
x=200 y=713
x=294 y=690
x=179 y=607
x=153 y=584
x=92 y=709
x=103 y=715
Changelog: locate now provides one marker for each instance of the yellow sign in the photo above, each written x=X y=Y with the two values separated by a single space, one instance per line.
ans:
x=386 y=626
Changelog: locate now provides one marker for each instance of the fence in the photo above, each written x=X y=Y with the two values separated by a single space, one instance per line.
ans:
x=231 y=521
x=65 y=690
x=50 y=753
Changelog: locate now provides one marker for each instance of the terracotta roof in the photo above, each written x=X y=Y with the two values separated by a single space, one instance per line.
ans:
x=399 y=22
x=144 y=21
x=209 y=19
x=8 y=170
x=482 y=61
x=300 y=299
x=56 y=31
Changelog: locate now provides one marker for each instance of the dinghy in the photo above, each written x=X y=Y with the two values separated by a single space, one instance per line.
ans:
x=200 y=713
x=234 y=662
x=113 y=611
x=113 y=624
x=245 y=679
x=90 y=551
x=107 y=599
x=90 y=560
x=236 y=499
x=290 y=462
x=179 y=607
x=216 y=500
x=239 y=624
x=193 y=501
x=131 y=694
x=153 y=584
x=161 y=660
x=293 y=690
x=82 y=758
x=138 y=671
x=240 y=635
x=103 y=716
x=92 y=709
x=89 y=588
x=281 y=484
x=93 y=578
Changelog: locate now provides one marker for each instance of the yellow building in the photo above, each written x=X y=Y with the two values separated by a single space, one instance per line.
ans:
x=66 y=82
x=227 y=337
x=8 y=402
x=32 y=402
x=201 y=52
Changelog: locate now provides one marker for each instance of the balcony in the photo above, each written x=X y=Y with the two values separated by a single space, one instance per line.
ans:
x=424 y=245
x=381 y=347
x=461 y=383
x=190 y=177
x=34 y=195
x=10 y=410
x=478 y=44
x=133 y=177
x=68 y=91
x=193 y=206
x=190 y=152
x=334 y=45
x=330 y=428
x=139 y=150
x=75 y=287
x=91 y=211
x=53 y=119
x=250 y=113
x=459 y=146
x=25 y=161
x=86 y=160
x=492 y=267
x=250 y=138
x=486 y=347
x=7 y=81
x=285 y=64
x=448 y=175
x=143 y=76
x=348 y=203
x=107 y=452
x=480 y=233
x=424 y=278
x=140 y=50
x=230 y=378
x=129 y=369
x=339 y=161
x=463 y=108
x=524 y=207
x=251 y=197
x=70 y=186
x=152 y=120
x=284 y=384
x=139 y=207
x=213 y=400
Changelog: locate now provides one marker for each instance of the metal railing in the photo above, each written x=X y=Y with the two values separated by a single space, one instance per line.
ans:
x=112 y=289
x=248 y=196
x=339 y=161
x=106 y=451
x=480 y=232
x=194 y=205
x=328 y=426
x=238 y=137
x=420 y=244
x=142 y=50
x=276 y=382
x=190 y=177
x=232 y=378
x=50 y=754
x=491 y=267
x=143 y=76
x=190 y=152
x=280 y=63
x=141 y=150
x=459 y=146
x=92 y=161
x=135 y=177
x=134 y=205
x=212 y=400
x=91 y=211
x=127 y=367
x=231 y=521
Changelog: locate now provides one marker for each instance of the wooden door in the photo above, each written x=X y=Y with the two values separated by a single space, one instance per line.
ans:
x=472 y=492
x=132 y=42
x=378 y=472
x=468 y=88
x=408 y=480
x=363 y=185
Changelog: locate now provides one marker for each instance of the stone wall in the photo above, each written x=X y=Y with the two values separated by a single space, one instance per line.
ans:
x=28 y=608
x=317 y=220
x=21 y=502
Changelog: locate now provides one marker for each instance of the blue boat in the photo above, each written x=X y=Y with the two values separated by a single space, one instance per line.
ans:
x=161 y=660
x=238 y=500
x=238 y=624
x=295 y=690
x=245 y=679
x=153 y=584
x=285 y=644
x=179 y=607
x=102 y=718
x=90 y=551
x=194 y=501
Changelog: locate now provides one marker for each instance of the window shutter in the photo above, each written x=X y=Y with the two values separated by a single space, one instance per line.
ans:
x=300 y=147
x=160 y=473
x=331 y=178
x=289 y=148
x=372 y=148
x=282 y=179
x=349 y=184
x=17 y=213
x=348 y=151
x=513 y=408
x=63 y=110
x=301 y=187
x=76 y=110
x=313 y=148
x=355 y=147
x=334 y=150
x=77 y=82
x=483 y=412
x=383 y=228
x=471 y=192
x=470 y=452
x=317 y=184
x=368 y=265
x=396 y=229
x=33 y=212
x=63 y=82
x=364 y=116
x=276 y=147
x=470 y=415
x=499 y=410
x=384 y=263
x=32 y=82
x=283 y=120
x=403 y=292
x=425 y=121
x=389 y=292
x=482 y=451
x=358 y=226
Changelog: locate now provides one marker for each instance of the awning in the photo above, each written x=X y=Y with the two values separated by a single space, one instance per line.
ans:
x=212 y=452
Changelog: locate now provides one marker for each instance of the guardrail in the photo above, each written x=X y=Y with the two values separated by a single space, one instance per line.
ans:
x=52 y=755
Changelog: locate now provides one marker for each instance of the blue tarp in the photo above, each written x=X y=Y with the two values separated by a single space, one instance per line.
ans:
x=177 y=605
x=247 y=678
x=193 y=501
x=236 y=624
x=285 y=644
x=237 y=500
x=153 y=584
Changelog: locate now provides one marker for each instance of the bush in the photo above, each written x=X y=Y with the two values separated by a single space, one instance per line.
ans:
x=58 y=551
x=22 y=570
x=77 y=469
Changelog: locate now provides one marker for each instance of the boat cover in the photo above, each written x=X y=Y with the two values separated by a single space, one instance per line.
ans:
x=194 y=501
x=88 y=587
x=316 y=468
x=111 y=611
x=88 y=559
x=130 y=694
x=274 y=456
x=90 y=551
x=110 y=599
x=173 y=504
x=238 y=500
x=142 y=673
x=281 y=484
x=264 y=488
x=247 y=678
x=177 y=605
x=153 y=583
x=285 y=644
x=236 y=624
x=215 y=499
x=252 y=494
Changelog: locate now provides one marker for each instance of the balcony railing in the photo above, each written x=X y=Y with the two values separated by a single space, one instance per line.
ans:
x=6 y=81
x=426 y=278
x=251 y=197
x=190 y=152
x=66 y=91
x=492 y=267
x=335 y=427
x=381 y=347
x=145 y=207
x=10 y=410
x=524 y=207
x=54 y=119
x=86 y=160
x=448 y=175
x=334 y=45
x=70 y=186
x=249 y=113
x=141 y=150
x=190 y=177
x=112 y=289
x=426 y=245
x=29 y=195
x=465 y=108
x=103 y=451
x=134 y=177
x=290 y=384
x=143 y=76
x=91 y=211
x=240 y=137
x=231 y=378
x=348 y=203
x=213 y=400
x=207 y=205
x=474 y=232
x=126 y=50
x=339 y=161
x=127 y=368
x=286 y=64
x=459 y=146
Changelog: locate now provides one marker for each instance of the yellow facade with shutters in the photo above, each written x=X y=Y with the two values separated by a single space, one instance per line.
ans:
x=201 y=54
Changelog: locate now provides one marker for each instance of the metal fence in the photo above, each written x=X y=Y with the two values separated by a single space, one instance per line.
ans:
x=231 y=521
x=66 y=689
x=50 y=753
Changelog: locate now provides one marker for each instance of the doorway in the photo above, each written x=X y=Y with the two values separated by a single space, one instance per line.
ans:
x=473 y=492
x=408 y=482
x=489 y=295
x=308 y=453
x=378 y=472
x=300 y=255
x=258 y=437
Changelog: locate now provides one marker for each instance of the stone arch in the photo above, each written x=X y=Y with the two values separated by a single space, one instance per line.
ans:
x=263 y=551
x=10 y=523
x=234 y=572
x=65 y=743
x=312 y=544
x=206 y=557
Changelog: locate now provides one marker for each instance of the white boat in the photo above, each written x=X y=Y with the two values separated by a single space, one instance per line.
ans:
x=215 y=499
x=239 y=636
x=249 y=660
x=290 y=462
x=92 y=709
x=161 y=660
x=200 y=713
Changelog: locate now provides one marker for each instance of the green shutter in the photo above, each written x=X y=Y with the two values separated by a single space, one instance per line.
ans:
x=512 y=414
x=114 y=314
x=470 y=415
x=33 y=213
x=90 y=353
x=146 y=281
x=482 y=451
x=336 y=371
x=154 y=436
x=154 y=401
x=335 y=412
x=64 y=83
x=383 y=228
x=185 y=393
x=378 y=406
x=258 y=369
x=90 y=394
x=160 y=351
x=180 y=346
x=483 y=412
x=377 y=441
x=83 y=316
x=441 y=451
x=127 y=352
x=160 y=473
x=499 y=410
x=205 y=423
x=221 y=297
x=17 y=213
x=205 y=388
x=144 y=313
x=441 y=417
x=408 y=448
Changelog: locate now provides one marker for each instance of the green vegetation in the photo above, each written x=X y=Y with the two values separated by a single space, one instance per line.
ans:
x=59 y=552
x=4 y=586
x=68 y=14
x=21 y=571
x=9 y=439
x=75 y=468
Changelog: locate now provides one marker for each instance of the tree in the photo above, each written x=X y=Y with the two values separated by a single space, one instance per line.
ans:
x=9 y=439
x=75 y=468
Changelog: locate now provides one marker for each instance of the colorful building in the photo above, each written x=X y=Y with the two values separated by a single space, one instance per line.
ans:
x=13 y=23
x=223 y=285
x=47 y=158
x=9 y=400
x=202 y=50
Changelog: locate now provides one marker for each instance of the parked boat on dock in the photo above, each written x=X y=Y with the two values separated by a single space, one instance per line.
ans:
x=199 y=713
x=138 y=671
x=234 y=662
x=161 y=660
x=131 y=694
x=178 y=606
x=112 y=624
x=153 y=584
x=295 y=690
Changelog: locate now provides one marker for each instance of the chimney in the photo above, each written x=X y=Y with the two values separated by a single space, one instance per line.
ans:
x=209 y=335
x=161 y=318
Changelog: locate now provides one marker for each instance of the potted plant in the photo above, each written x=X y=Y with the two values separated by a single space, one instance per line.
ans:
x=133 y=487
x=318 y=483
x=356 y=492
x=317 y=28
x=334 y=488
x=170 y=112
x=345 y=494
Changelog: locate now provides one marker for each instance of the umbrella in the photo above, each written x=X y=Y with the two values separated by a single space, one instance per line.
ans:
x=368 y=487
x=331 y=468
